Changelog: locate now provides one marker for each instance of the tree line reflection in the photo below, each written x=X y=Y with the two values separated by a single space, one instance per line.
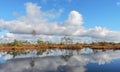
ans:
x=52 y=52
x=65 y=61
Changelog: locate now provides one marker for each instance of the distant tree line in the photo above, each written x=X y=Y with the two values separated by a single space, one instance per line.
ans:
x=64 y=41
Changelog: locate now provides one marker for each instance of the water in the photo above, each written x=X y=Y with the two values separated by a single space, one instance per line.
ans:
x=85 y=60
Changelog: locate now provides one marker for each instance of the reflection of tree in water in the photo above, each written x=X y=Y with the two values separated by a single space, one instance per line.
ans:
x=15 y=53
x=49 y=51
x=65 y=68
x=78 y=52
x=40 y=52
x=32 y=63
x=69 y=52
x=66 y=57
x=95 y=51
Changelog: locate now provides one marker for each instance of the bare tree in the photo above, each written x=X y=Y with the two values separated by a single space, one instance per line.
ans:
x=33 y=32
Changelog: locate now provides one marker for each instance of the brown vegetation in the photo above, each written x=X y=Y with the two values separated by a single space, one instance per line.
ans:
x=66 y=44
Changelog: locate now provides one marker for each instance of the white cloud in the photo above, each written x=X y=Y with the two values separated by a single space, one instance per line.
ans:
x=74 y=18
x=53 y=13
x=38 y=20
x=8 y=37
x=97 y=32
x=103 y=33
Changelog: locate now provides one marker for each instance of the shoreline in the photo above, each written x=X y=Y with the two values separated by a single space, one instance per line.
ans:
x=69 y=47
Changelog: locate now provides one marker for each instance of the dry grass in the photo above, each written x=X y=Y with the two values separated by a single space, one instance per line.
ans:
x=72 y=47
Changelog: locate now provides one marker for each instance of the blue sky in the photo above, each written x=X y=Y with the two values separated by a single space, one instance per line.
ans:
x=103 y=13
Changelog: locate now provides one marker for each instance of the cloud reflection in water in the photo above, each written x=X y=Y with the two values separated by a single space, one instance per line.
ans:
x=67 y=63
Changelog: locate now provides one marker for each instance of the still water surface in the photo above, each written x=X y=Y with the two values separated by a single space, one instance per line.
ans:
x=85 y=60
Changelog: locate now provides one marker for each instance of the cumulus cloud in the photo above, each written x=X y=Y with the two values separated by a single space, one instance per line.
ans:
x=74 y=18
x=34 y=20
x=104 y=34
x=37 y=20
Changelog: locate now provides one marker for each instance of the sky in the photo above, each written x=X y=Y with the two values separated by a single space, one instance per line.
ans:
x=91 y=19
